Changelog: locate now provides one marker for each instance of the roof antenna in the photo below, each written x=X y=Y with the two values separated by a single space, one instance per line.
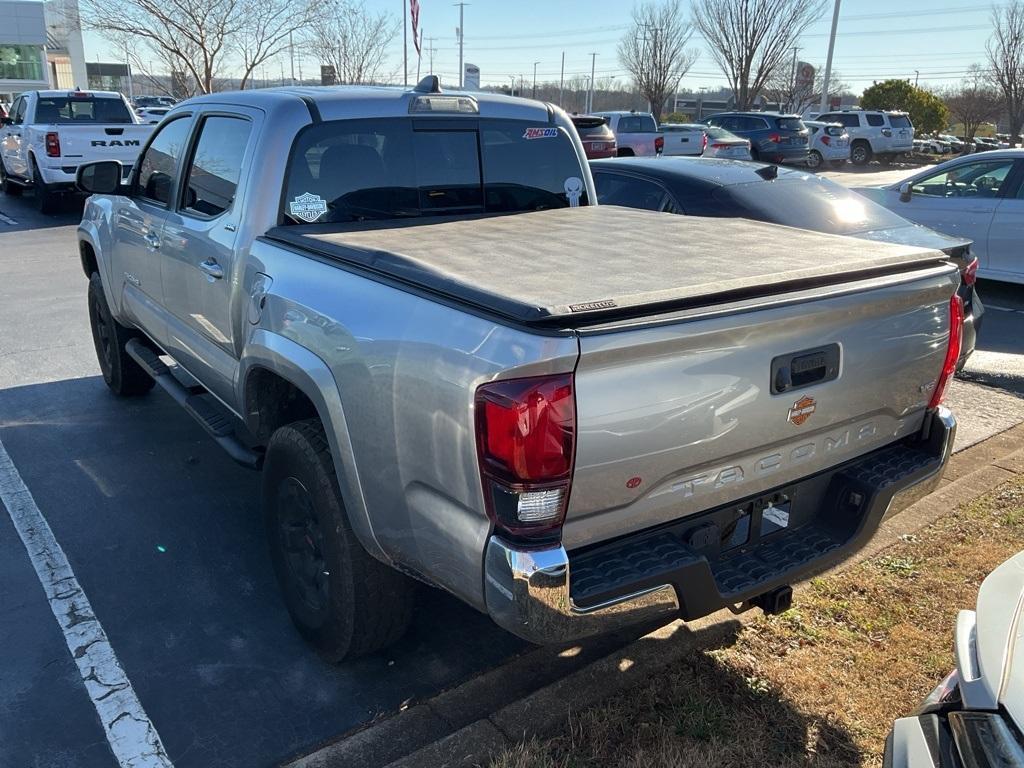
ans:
x=429 y=84
x=768 y=172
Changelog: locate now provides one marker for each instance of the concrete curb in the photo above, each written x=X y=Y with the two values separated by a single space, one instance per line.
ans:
x=468 y=725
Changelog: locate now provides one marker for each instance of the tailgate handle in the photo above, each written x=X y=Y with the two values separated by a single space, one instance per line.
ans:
x=802 y=369
x=113 y=131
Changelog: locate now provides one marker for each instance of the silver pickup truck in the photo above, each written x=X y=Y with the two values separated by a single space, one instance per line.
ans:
x=452 y=367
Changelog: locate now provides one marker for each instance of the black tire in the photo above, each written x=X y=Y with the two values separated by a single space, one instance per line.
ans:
x=343 y=601
x=122 y=374
x=47 y=201
x=815 y=160
x=860 y=153
x=9 y=186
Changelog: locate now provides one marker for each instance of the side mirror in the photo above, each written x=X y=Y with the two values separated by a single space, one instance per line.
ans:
x=906 y=192
x=6 y=121
x=100 y=178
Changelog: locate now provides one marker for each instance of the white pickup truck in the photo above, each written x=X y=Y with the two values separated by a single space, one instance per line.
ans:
x=48 y=134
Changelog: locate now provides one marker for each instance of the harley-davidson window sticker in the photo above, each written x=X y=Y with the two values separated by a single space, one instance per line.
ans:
x=308 y=207
x=540 y=133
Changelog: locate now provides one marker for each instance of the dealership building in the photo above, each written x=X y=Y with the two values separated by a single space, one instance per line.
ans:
x=40 y=46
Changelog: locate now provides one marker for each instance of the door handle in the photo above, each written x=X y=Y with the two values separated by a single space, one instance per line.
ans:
x=212 y=269
x=152 y=240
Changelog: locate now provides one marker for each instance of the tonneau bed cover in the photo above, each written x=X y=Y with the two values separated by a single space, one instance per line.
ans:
x=596 y=262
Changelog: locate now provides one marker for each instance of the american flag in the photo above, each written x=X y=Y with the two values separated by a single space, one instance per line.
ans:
x=414 y=12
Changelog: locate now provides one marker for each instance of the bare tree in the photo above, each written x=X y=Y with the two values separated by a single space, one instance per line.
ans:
x=796 y=97
x=752 y=40
x=654 y=51
x=974 y=101
x=192 y=36
x=266 y=28
x=1006 y=61
x=352 y=40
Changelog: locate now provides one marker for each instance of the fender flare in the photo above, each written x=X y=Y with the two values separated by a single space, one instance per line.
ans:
x=312 y=376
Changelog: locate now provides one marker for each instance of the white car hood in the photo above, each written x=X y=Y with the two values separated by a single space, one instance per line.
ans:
x=999 y=641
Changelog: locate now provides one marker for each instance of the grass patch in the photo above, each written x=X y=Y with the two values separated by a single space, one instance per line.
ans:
x=816 y=686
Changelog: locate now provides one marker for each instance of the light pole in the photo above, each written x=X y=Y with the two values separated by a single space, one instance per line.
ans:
x=535 y=78
x=828 y=61
x=916 y=75
x=462 y=35
x=513 y=79
x=561 y=81
x=590 y=96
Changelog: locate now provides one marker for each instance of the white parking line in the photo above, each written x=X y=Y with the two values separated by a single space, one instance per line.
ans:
x=133 y=738
x=1003 y=309
x=8 y=220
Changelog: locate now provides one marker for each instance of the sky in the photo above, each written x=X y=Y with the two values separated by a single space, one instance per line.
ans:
x=939 y=39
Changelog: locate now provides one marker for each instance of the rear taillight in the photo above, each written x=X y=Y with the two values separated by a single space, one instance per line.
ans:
x=52 y=145
x=703 y=142
x=526 y=439
x=719 y=146
x=956 y=329
x=826 y=140
x=774 y=138
x=970 y=273
x=659 y=144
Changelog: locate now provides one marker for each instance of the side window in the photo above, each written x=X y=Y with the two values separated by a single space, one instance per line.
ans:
x=212 y=176
x=979 y=179
x=875 y=121
x=18 y=111
x=849 y=121
x=613 y=189
x=160 y=161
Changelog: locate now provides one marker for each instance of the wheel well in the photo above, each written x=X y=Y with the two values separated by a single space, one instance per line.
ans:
x=88 y=256
x=626 y=152
x=272 y=401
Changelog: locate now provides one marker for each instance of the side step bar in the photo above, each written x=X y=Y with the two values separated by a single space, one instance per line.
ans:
x=198 y=403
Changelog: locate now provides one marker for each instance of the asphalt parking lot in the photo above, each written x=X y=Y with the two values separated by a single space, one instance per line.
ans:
x=163 y=534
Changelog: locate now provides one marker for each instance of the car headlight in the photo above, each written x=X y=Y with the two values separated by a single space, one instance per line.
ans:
x=947 y=692
x=985 y=740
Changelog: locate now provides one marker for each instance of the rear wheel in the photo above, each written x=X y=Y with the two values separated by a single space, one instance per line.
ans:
x=860 y=153
x=46 y=200
x=10 y=187
x=121 y=373
x=814 y=160
x=341 y=599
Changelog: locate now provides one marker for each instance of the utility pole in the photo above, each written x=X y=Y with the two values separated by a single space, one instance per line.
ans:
x=590 y=95
x=462 y=37
x=128 y=67
x=561 y=80
x=535 y=78
x=828 y=61
x=291 y=55
x=916 y=75
x=513 y=79
x=792 y=83
x=700 y=104
x=431 y=49
x=405 y=44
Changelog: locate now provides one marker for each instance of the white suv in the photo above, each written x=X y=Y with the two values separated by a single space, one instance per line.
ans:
x=874 y=133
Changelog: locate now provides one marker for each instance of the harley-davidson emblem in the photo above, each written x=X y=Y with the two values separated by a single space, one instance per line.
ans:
x=802 y=410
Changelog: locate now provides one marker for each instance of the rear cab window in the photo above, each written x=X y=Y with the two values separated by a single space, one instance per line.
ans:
x=358 y=170
x=81 y=108
x=637 y=124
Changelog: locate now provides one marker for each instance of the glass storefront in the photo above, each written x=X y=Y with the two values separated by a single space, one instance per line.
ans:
x=22 y=62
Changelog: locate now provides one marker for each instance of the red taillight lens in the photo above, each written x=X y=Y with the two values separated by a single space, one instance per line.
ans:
x=52 y=145
x=774 y=138
x=719 y=146
x=970 y=275
x=659 y=143
x=826 y=140
x=956 y=329
x=703 y=142
x=526 y=435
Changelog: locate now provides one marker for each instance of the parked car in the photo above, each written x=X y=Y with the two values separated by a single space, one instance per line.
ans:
x=980 y=198
x=877 y=134
x=152 y=114
x=975 y=716
x=955 y=144
x=787 y=196
x=49 y=134
x=684 y=139
x=725 y=145
x=830 y=143
x=636 y=133
x=598 y=139
x=145 y=102
x=568 y=443
x=773 y=137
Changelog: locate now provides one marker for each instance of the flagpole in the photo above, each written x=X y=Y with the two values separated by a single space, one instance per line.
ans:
x=405 y=43
x=419 y=56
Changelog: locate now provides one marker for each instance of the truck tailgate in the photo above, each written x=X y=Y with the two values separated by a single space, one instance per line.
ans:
x=680 y=416
x=88 y=142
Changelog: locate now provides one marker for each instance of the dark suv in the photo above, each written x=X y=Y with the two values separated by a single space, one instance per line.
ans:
x=773 y=137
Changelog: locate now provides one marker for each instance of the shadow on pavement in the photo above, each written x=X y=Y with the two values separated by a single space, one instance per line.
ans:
x=22 y=209
x=165 y=536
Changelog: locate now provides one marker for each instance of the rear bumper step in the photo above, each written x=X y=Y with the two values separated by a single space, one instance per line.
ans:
x=682 y=570
x=198 y=403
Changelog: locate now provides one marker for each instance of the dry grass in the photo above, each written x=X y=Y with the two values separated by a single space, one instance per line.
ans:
x=817 y=686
